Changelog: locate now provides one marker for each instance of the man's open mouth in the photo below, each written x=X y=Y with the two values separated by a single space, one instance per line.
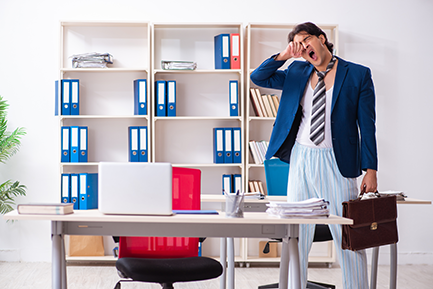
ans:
x=312 y=55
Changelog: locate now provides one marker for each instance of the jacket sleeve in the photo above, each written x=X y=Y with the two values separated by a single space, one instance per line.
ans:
x=268 y=75
x=367 y=123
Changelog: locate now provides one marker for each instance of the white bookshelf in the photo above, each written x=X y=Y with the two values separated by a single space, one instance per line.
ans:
x=202 y=99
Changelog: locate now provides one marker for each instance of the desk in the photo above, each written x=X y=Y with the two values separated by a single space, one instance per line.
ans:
x=93 y=222
x=393 y=251
x=375 y=254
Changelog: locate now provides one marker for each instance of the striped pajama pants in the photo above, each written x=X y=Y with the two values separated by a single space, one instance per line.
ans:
x=314 y=173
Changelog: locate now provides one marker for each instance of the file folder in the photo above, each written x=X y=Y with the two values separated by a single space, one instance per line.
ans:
x=133 y=144
x=222 y=51
x=228 y=145
x=74 y=191
x=66 y=146
x=218 y=148
x=142 y=144
x=75 y=95
x=75 y=140
x=83 y=144
x=227 y=184
x=140 y=97
x=234 y=98
x=66 y=99
x=160 y=94
x=171 y=98
x=237 y=145
x=88 y=191
x=56 y=97
x=65 y=188
x=237 y=183
x=235 y=62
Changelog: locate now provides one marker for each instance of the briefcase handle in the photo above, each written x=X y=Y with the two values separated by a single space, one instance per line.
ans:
x=376 y=193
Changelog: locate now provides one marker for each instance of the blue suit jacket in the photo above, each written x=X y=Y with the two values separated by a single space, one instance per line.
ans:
x=352 y=112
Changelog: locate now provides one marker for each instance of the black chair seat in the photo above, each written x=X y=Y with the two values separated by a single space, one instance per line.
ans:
x=169 y=270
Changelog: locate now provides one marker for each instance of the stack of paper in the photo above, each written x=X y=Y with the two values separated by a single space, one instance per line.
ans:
x=311 y=208
x=91 y=60
x=400 y=195
x=46 y=209
x=178 y=65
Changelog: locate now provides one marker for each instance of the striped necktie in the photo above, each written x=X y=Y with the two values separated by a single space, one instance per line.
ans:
x=317 y=128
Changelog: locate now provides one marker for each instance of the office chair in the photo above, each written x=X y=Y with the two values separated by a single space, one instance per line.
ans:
x=166 y=260
x=277 y=173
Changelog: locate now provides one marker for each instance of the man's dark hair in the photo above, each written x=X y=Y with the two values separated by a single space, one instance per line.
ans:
x=311 y=29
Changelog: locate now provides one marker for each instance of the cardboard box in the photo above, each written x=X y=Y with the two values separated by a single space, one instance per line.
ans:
x=273 y=246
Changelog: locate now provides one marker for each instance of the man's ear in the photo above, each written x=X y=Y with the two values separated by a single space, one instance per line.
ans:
x=322 y=39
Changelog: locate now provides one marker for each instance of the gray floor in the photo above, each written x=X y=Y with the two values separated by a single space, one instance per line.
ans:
x=38 y=276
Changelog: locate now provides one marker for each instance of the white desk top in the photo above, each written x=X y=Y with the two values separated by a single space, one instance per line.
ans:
x=221 y=198
x=414 y=201
x=249 y=218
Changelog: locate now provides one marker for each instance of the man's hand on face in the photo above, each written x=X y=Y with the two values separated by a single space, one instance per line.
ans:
x=293 y=50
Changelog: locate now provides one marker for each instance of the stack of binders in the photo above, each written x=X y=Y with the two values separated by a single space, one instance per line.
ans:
x=264 y=105
x=140 y=97
x=256 y=186
x=227 y=145
x=232 y=183
x=69 y=96
x=258 y=150
x=138 y=144
x=227 y=51
x=81 y=190
x=74 y=144
x=165 y=98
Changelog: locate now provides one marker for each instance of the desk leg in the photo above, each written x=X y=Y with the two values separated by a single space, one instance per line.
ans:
x=223 y=261
x=374 y=258
x=294 y=266
x=393 y=275
x=58 y=264
x=284 y=264
x=231 y=263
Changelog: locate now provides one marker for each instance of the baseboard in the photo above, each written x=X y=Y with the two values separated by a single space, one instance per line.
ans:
x=9 y=255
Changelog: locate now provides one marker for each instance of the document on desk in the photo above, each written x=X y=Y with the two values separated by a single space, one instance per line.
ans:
x=311 y=208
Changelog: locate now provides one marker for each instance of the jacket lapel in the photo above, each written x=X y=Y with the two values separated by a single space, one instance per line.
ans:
x=339 y=80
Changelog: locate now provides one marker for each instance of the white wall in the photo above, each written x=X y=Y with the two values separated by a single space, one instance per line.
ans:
x=391 y=37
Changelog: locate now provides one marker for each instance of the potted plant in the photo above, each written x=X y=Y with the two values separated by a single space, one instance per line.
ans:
x=9 y=145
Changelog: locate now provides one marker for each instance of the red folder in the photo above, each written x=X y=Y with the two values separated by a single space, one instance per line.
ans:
x=235 y=51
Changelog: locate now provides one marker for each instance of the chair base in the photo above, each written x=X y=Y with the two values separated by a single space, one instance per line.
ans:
x=164 y=285
x=310 y=285
x=274 y=285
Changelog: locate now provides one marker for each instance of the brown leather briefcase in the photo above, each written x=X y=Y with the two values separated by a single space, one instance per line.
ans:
x=374 y=222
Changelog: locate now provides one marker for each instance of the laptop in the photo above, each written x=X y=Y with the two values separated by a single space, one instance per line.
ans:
x=135 y=188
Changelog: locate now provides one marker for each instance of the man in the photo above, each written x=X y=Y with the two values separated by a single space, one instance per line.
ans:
x=325 y=128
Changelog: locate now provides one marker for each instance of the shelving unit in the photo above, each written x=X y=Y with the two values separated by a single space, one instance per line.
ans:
x=202 y=103
x=202 y=98
x=106 y=95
